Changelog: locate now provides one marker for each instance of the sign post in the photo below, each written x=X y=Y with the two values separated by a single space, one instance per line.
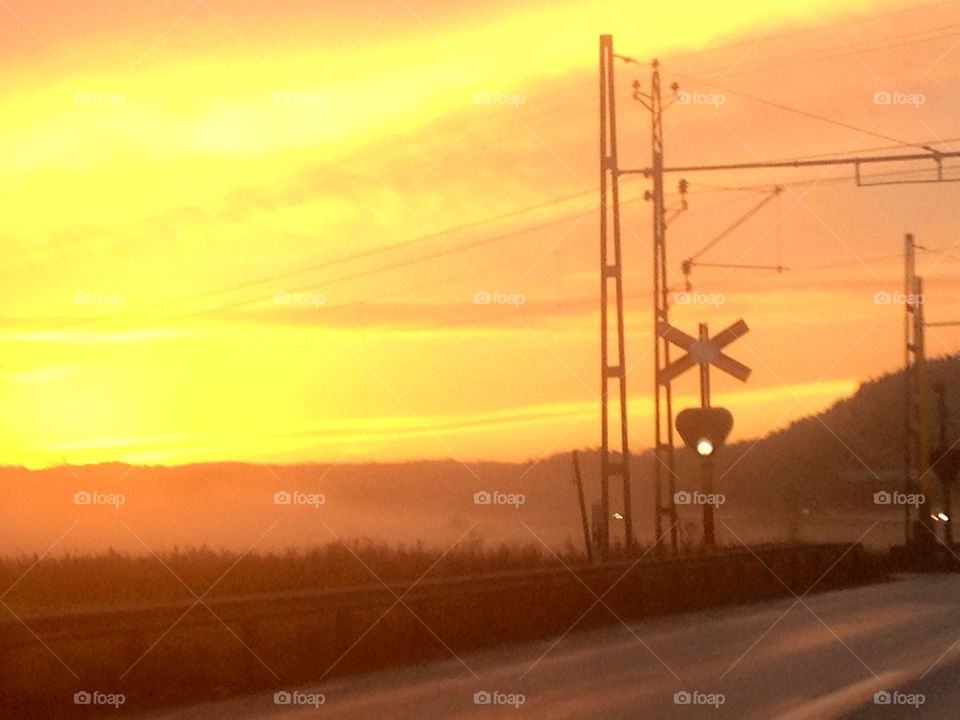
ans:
x=704 y=429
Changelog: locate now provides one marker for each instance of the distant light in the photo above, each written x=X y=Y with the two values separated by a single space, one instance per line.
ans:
x=704 y=447
x=618 y=516
x=943 y=517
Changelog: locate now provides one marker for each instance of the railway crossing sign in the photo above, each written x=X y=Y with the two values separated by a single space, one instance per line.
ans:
x=703 y=352
x=704 y=429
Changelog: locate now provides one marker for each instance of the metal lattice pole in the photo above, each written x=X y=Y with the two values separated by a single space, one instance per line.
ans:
x=663 y=396
x=611 y=271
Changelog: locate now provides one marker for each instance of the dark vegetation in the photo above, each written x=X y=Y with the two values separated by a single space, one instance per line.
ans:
x=120 y=579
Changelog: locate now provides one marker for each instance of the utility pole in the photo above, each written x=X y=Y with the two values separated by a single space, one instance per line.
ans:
x=663 y=393
x=923 y=416
x=611 y=269
x=578 y=481
x=709 y=537
x=916 y=402
x=663 y=402
x=909 y=477
x=943 y=450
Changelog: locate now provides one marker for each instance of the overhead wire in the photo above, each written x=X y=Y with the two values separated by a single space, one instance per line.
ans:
x=497 y=133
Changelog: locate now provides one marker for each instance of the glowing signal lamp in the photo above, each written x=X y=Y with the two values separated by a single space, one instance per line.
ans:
x=704 y=429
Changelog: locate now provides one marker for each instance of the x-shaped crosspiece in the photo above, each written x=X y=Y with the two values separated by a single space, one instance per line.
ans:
x=703 y=352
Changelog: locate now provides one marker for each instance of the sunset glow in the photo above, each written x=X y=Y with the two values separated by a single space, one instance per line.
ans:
x=241 y=233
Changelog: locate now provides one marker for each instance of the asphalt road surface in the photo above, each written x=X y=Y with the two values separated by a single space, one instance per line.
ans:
x=821 y=656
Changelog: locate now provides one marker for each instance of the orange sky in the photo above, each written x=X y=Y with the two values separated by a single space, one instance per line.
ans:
x=255 y=232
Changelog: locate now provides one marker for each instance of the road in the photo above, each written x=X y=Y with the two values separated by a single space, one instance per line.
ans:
x=821 y=656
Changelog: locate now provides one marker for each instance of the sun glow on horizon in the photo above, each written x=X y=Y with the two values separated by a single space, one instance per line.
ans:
x=228 y=239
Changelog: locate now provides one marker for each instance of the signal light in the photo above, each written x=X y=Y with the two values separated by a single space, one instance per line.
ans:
x=704 y=430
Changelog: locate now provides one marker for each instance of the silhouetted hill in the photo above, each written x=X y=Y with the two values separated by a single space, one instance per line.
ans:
x=856 y=443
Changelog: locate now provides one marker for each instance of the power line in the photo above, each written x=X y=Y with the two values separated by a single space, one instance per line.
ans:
x=416 y=260
x=391 y=266
x=390 y=248
x=335 y=281
x=878 y=148
x=831 y=266
x=804 y=113
x=499 y=133
x=859 y=21
x=565 y=108
x=870 y=46
x=380 y=249
x=767 y=187
x=856 y=161
x=737 y=223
